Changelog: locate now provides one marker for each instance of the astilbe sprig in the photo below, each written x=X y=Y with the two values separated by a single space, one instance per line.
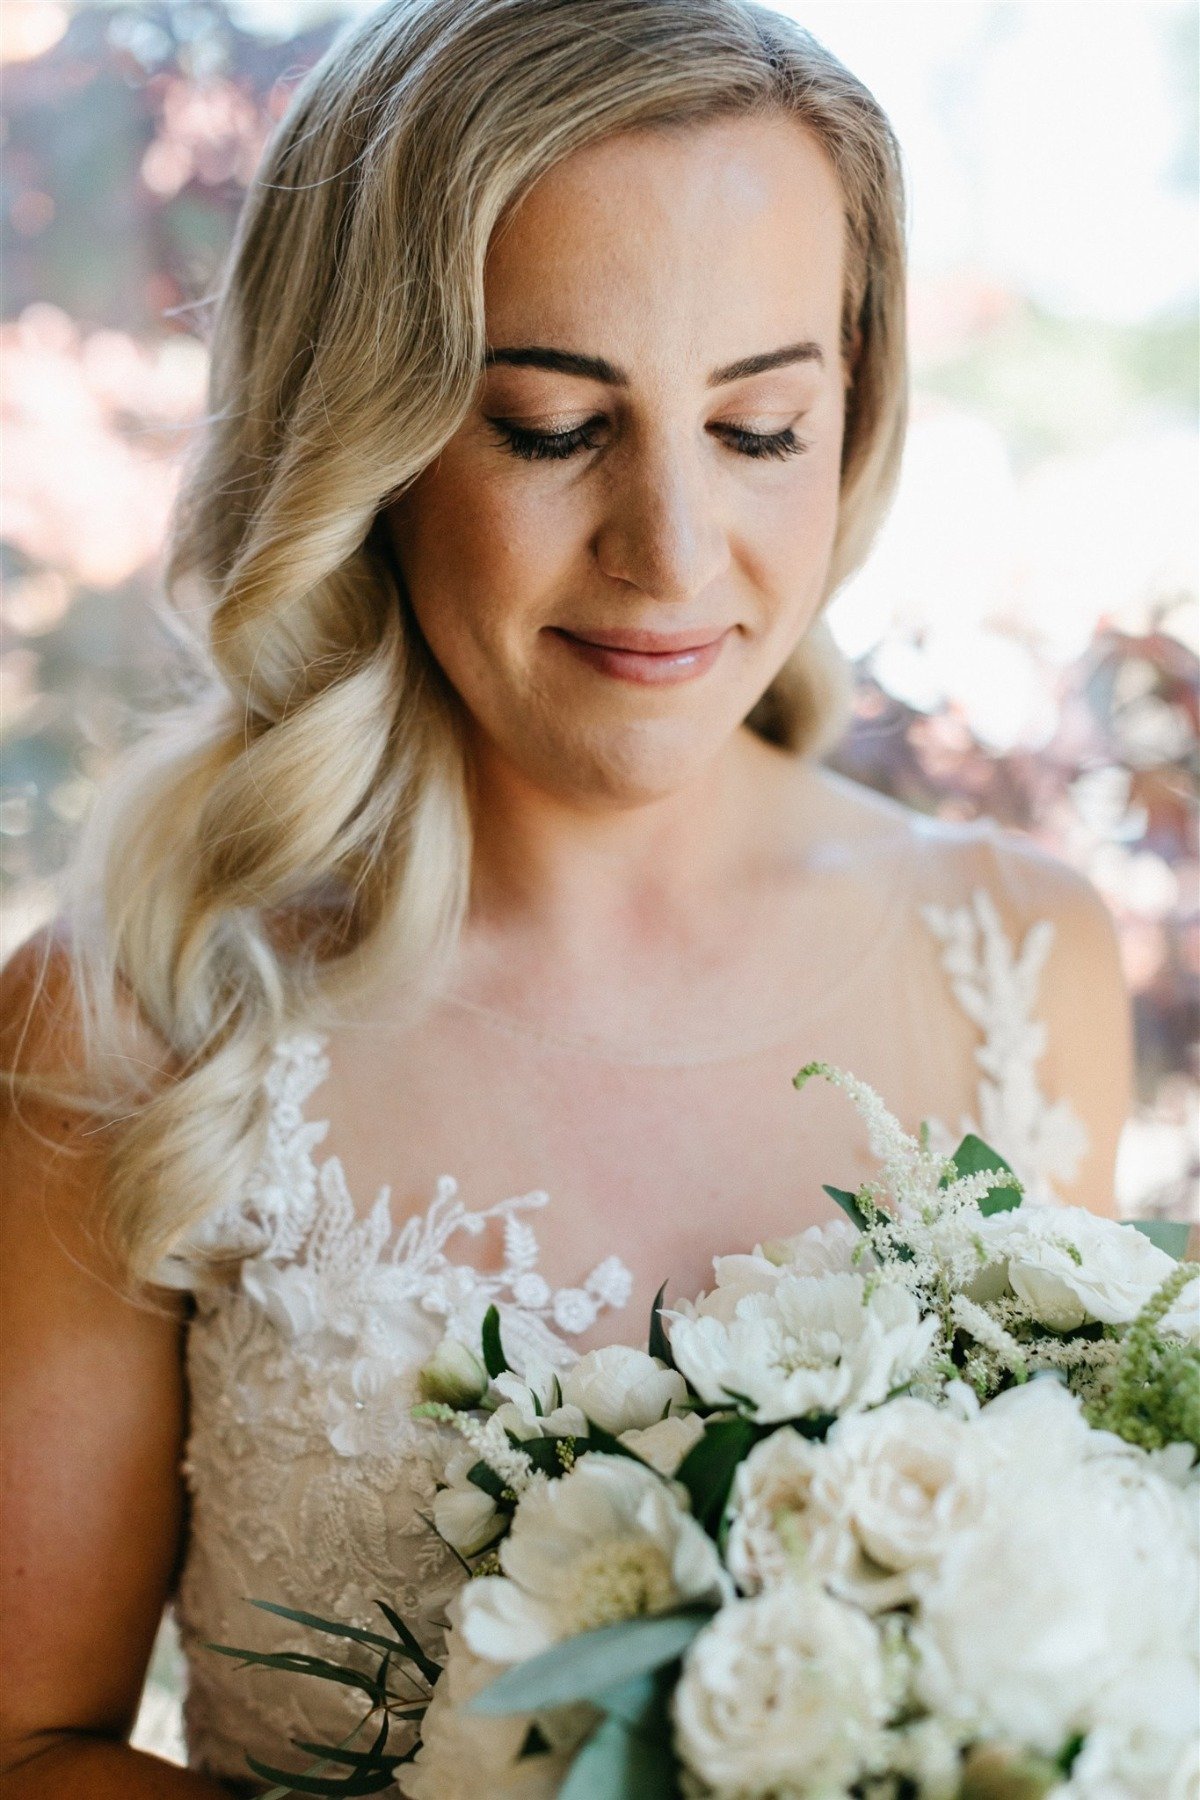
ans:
x=1152 y=1397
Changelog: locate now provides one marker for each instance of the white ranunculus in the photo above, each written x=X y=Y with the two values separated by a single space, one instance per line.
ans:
x=622 y=1389
x=466 y=1516
x=1069 y=1266
x=665 y=1445
x=784 y=1693
x=889 y=1489
x=813 y=1344
x=767 y=1507
x=609 y=1540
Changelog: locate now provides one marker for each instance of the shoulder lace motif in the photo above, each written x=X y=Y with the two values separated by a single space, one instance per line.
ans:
x=997 y=987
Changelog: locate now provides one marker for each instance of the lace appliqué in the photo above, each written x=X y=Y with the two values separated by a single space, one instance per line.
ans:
x=997 y=987
x=310 y=1484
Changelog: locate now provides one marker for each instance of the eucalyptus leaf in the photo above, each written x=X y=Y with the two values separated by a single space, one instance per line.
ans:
x=1170 y=1235
x=581 y=1667
x=849 y=1205
x=619 y=1764
x=708 y=1469
x=494 y=1360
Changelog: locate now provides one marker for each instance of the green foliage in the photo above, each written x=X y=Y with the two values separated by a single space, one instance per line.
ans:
x=1170 y=1235
x=974 y=1157
x=659 y=1344
x=494 y=1360
x=708 y=1469
x=1153 y=1398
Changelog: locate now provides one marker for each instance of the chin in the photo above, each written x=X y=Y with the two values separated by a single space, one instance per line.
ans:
x=634 y=764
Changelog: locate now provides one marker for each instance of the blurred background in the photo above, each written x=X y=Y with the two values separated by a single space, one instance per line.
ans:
x=1025 y=635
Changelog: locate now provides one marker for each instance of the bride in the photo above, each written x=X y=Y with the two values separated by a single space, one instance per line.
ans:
x=558 y=381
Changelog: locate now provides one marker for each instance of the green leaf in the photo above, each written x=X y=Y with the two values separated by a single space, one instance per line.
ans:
x=708 y=1469
x=660 y=1344
x=366 y=1782
x=1170 y=1235
x=327 y=1625
x=583 y=1666
x=637 y=1703
x=494 y=1360
x=619 y=1764
x=974 y=1157
x=482 y=1475
x=849 y=1205
x=429 y=1669
x=294 y=1663
x=599 y=1439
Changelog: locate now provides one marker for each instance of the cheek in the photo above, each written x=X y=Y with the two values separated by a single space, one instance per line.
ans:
x=481 y=556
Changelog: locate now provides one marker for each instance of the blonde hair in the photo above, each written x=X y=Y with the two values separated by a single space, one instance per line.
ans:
x=317 y=772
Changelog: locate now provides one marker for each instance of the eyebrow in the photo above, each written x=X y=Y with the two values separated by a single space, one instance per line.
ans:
x=598 y=368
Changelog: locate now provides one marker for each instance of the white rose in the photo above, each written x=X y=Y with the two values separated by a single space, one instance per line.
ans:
x=609 y=1540
x=665 y=1445
x=1144 y=1744
x=783 y=1693
x=889 y=1488
x=815 y=1344
x=622 y=1389
x=1069 y=1266
x=767 y=1507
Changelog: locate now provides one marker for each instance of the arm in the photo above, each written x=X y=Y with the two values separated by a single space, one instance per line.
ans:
x=91 y=1443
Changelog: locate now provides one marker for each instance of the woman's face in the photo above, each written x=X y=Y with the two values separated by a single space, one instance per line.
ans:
x=622 y=543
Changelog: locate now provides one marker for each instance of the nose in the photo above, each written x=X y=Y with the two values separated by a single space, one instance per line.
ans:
x=662 y=532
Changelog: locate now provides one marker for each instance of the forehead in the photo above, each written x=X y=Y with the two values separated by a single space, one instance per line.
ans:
x=722 y=237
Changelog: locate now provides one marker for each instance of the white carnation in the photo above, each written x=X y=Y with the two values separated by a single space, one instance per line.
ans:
x=1069 y=1266
x=531 y=1405
x=622 y=1389
x=783 y=1693
x=609 y=1540
x=813 y=1344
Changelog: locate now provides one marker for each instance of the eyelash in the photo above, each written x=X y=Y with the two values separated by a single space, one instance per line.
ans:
x=554 y=446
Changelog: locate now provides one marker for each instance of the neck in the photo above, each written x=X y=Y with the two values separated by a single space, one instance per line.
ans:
x=576 y=876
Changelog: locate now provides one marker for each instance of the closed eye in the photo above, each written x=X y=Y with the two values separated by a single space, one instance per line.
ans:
x=535 y=446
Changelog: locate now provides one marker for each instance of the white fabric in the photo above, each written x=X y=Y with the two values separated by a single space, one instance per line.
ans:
x=309 y=1483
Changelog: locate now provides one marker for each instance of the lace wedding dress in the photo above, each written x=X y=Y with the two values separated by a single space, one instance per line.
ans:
x=310 y=1485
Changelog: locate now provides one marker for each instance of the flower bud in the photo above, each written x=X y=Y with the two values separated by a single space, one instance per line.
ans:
x=453 y=1375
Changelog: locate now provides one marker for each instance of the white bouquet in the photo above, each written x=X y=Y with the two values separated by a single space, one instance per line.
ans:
x=903 y=1506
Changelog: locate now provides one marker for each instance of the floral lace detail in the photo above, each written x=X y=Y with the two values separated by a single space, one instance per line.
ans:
x=997 y=987
x=310 y=1485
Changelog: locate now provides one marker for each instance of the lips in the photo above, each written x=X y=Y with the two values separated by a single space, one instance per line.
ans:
x=646 y=658
x=648 y=643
